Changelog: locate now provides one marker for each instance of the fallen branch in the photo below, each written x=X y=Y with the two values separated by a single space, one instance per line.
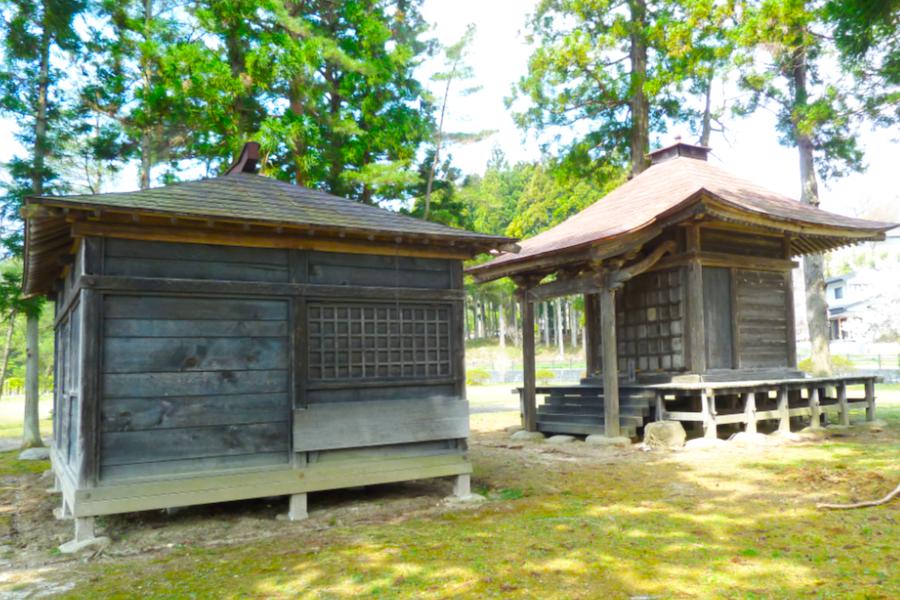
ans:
x=866 y=504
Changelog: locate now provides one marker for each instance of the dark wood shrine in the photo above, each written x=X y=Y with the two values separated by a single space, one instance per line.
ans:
x=686 y=271
x=240 y=337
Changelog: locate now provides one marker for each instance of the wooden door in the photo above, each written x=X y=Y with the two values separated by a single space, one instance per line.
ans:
x=717 y=317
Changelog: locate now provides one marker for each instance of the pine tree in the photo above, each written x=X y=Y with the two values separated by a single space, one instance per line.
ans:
x=619 y=70
x=31 y=91
x=818 y=113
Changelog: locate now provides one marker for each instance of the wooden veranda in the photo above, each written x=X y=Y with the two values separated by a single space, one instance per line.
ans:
x=689 y=309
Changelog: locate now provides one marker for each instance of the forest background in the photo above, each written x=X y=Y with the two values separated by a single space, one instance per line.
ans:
x=503 y=117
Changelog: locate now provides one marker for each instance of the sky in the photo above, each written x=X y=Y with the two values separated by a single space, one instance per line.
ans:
x=499 y=56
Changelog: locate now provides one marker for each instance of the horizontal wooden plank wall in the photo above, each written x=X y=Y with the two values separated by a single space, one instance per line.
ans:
x=761 y=319
x=377 y=423
x=213 y=393
x=197 y=382
x=194 y=261
x=381 y=271
x=740 y=243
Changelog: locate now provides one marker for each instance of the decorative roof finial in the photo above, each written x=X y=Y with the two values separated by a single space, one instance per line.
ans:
x=247 y=161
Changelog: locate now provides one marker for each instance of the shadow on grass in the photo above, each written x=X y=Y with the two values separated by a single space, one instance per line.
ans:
x=732 y=523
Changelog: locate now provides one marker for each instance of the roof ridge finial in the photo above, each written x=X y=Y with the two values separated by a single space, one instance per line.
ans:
x=247 y=160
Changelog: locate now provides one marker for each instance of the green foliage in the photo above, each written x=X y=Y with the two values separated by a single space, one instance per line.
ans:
x=544 y=376
x=477 y=376
x=616 y=73
x=840 y=365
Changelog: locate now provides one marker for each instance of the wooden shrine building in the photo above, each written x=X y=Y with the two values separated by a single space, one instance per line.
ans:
x=686 y=271
x=241 y=337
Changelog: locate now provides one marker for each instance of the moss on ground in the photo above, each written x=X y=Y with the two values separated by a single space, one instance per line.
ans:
x=561 y=524
x=10 y=465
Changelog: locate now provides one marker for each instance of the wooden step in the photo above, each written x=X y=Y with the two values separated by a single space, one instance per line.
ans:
x=624 y=420
x=631 y=411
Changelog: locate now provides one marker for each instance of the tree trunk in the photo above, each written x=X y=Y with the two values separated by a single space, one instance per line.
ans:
x=813 y=264
x=7 y=348
x=40 y=117
x=640 y=105
x=501 y=326
x=146 y=164
x=31 y=432
x=545 y=322
x=560 y=343
x=706 y=124
x=437 y=148
x=480 y=323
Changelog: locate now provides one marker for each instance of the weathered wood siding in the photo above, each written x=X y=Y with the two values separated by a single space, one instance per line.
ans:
x=379 y=271
x=741 y=243
x=378 y=423
x=193 y=383
x=717 y=317
x=761 y=319
x=67 y=391
x=196 y=377
x=194 y=261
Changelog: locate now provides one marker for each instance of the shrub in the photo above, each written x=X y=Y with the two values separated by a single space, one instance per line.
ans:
x=477 y=376
x=544 y=376
x=839 y=365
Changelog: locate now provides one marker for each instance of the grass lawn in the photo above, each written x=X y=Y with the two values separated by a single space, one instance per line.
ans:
x=571 y=521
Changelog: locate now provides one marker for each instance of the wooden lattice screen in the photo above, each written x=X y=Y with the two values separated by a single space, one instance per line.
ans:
x=650 y=322
x=378 y=341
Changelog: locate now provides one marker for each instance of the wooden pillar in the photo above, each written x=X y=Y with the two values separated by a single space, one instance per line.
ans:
x=784 y=415
x=610 y=362
x=815 y=411
x=696 y=329
x=790 y=319
x=842 y=403
x=660 y=406
x=591 y=329
x=750 y=412
x=870 y=400
x=529 y=403
x=708 y=410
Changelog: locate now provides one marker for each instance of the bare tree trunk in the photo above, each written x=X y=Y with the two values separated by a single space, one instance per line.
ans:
x=480 y=323
x=706 y=126
x=813 y=264
x=640 y=105
x=560 y=343
x=545 y=322
x=31 y=431
x=437 y=148
x=502 y=326
x=7 y=348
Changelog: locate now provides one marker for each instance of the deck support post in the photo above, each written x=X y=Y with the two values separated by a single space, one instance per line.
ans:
x=610 y=362
x=815 y=410
x=660 y=406
x=842 y=403
x=784 y=413
x=529 y=402
x=62 y=512
x=870 y=400
x=750 y=412
x=297 y=510
x=708 y=410
x=462 y=486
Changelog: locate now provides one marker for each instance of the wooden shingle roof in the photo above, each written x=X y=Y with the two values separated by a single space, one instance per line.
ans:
x=669 y=188
x=249 y=198
x=238 y=208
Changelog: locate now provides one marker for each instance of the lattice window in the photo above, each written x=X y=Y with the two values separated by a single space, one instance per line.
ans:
x=378 y=341
x=649 y=322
